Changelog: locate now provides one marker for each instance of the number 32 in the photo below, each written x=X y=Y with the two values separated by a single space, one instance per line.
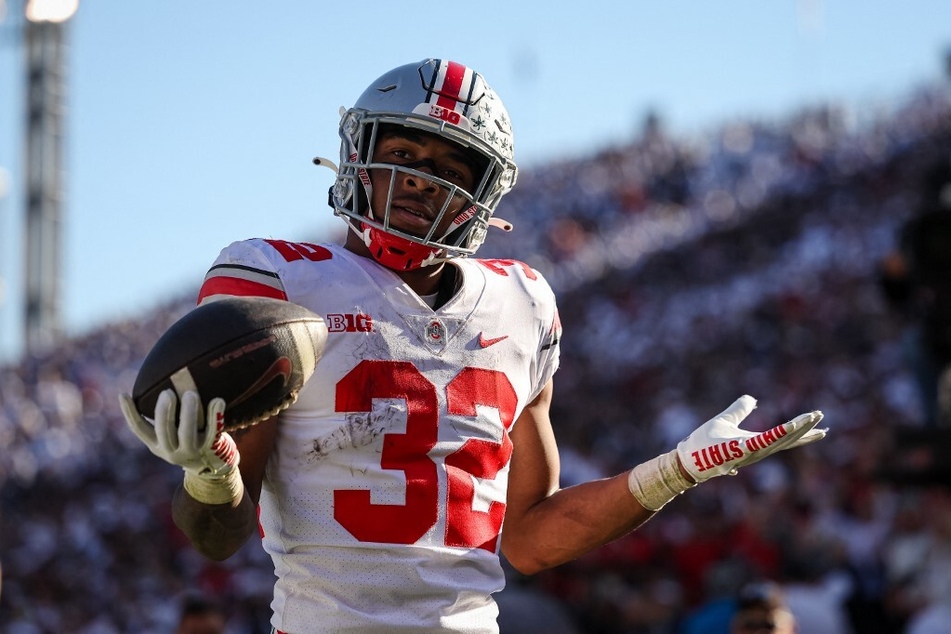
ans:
x=407 y=523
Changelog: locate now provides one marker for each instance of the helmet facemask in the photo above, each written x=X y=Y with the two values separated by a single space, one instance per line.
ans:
x=494 y=171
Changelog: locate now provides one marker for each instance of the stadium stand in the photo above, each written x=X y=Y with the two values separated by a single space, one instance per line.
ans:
x=689 y=271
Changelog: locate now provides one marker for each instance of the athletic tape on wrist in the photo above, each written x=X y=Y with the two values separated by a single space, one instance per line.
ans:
x=218 y=490
x=658 y=481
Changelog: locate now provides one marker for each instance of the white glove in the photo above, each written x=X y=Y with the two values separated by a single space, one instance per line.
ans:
x=720 y=447
x=716 y=448
x=208 y=455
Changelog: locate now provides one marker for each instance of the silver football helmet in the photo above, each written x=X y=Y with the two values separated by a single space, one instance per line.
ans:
x=439 y=97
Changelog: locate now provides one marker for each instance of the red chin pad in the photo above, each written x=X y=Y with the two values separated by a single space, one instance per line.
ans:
x=395 y=252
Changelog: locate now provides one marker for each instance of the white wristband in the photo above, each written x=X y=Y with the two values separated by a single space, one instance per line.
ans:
x=658 y=481
x=218 y=490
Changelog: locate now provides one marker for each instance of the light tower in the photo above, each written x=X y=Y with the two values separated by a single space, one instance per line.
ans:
x=45 y=50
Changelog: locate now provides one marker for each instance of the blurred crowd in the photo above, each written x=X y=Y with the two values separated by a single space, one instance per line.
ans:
x=689 y=271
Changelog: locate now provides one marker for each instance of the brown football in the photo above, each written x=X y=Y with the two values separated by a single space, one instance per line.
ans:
x=254 y=352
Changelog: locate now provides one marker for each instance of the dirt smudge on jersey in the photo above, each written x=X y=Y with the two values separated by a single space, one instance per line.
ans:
x=360 y=430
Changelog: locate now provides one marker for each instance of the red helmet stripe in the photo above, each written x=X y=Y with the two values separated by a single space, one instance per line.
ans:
x=448 y=95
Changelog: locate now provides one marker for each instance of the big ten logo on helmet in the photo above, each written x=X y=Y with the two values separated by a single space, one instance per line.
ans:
x=350 y=322
x=450 y=116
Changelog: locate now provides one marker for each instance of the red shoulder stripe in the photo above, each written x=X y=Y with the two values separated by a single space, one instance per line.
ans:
x=223 y=285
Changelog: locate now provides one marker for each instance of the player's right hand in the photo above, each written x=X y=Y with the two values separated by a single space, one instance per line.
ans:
x=201 y=449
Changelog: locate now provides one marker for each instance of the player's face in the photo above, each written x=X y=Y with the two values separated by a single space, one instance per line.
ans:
x=417 y=201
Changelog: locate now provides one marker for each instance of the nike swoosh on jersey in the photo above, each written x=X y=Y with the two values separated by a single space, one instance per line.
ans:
x=485 y=343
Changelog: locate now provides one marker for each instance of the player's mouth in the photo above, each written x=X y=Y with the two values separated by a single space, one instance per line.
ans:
x=411 y=216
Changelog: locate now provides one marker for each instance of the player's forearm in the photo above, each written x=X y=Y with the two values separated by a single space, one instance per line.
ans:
x=215 y=530
x=571 y=522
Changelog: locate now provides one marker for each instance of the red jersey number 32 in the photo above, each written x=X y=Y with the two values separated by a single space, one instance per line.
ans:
x=407 y=523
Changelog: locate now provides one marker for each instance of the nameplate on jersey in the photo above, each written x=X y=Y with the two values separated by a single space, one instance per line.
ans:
x=434 y=332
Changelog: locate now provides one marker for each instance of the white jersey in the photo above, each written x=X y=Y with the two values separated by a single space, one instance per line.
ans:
x=383 y=502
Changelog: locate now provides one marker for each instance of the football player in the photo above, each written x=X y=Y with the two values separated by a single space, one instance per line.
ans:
x=383 y=490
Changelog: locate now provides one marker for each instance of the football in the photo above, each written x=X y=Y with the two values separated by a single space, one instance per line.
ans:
x=254 y=352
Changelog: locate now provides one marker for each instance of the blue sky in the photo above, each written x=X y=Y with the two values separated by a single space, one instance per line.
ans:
x=192 y=124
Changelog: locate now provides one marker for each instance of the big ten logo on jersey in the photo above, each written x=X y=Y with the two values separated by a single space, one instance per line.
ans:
x=340 y=322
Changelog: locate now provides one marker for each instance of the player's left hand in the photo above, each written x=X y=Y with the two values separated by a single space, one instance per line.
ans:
x=720 y=447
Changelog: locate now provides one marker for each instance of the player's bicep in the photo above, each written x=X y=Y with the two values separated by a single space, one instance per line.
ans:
x=255 y=445
x=535 y=466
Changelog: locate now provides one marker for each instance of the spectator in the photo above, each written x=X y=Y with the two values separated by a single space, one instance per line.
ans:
x=201 y=616
x=761 y=609
x=916 y=277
